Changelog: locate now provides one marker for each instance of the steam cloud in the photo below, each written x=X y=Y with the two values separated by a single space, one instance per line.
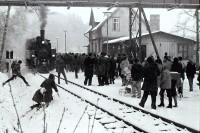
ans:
x=43 y=16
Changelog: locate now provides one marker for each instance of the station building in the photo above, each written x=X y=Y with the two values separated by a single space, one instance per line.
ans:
x=165 y=42
x=111 y=35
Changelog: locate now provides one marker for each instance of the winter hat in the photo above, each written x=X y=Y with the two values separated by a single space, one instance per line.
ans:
x=150 y=59
x=51 y=76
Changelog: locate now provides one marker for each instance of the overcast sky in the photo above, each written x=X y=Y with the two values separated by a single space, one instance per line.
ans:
x=58 y=21
x=168 y=19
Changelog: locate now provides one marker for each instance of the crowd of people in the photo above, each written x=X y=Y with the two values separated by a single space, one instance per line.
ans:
x=151 y=75
x=157 y=75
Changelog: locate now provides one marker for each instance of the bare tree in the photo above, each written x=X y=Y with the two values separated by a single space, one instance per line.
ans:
x=186 y=24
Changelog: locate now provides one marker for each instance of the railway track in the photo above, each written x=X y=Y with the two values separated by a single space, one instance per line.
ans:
x=130 y=115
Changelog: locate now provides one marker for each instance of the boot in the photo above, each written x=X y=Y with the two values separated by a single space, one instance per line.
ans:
x=170 y=102
x=161 y=102
x=161 y=105
x=141 y=105
x=175 y=101
x=169 y=106
x=153 y=106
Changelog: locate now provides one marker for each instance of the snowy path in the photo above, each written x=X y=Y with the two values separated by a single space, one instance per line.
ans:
x=128 y=114
x=33 y=121
x=188 y=111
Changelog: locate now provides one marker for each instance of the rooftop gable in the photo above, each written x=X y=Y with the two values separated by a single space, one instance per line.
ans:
x=112 y=11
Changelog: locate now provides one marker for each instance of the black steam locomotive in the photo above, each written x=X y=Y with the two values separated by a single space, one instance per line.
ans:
x=39 y=54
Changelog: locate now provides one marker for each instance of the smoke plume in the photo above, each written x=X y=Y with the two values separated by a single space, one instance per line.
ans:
x=43 y=16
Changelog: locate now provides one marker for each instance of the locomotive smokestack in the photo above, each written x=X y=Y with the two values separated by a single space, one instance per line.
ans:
x=42 y=34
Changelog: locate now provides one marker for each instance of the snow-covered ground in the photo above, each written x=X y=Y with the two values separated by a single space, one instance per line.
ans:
x=187 y=112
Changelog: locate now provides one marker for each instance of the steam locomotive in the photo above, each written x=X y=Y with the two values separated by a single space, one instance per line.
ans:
x=39 y=54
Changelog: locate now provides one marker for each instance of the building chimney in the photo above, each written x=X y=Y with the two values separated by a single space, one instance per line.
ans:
x=155 y=22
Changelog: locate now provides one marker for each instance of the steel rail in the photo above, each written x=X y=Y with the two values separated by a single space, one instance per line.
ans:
x=104 y=110
x=182 y=126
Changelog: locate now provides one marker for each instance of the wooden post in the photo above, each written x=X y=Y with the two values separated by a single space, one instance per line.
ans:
x=149 y=30
x=140 y=34
x=130 y=30
x=197 y=35
x=4 y=33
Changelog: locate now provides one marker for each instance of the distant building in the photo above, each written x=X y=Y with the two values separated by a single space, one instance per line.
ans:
x=165 y=42
x=114 y=25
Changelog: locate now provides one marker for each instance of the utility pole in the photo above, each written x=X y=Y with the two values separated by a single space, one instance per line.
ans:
x=107 y=37
x=57 y=43
x=107 y=15
x=140 y=34
x=65 y=42
x=197 y=29
x=149 y=30
x=5 y=33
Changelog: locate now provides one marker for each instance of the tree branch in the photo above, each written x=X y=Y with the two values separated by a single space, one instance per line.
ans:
x=61 y=120
x=14 y=105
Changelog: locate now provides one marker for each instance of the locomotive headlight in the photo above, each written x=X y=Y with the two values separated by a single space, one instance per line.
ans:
x=33 y=55
x=53 y=55
x=42 y=42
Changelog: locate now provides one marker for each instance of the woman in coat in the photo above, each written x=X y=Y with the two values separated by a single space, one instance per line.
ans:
x=165 y=84
x=124 y=65
x=45 y=94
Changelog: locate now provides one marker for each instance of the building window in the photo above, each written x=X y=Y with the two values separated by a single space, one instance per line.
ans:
x=183 y=50
x=116 y=24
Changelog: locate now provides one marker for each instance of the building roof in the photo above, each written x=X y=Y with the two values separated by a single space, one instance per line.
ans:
x=92 y=20
x=122 y=39
x=105 y=18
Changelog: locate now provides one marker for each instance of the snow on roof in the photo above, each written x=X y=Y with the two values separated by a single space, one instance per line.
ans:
x=90 y=27
x=122 y=39
x=113 y=10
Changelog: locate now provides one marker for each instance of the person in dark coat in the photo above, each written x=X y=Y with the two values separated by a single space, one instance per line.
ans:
x=76 y=65
x=101 y=69
x=151 y=71
x=190 y=72
x=180 y=82
x=198 y=79
x=15 y=66
x=45 y=93
x=176 y=67
x=112 y=70
x=60 y=68
x=137 y=77
x=89 y=69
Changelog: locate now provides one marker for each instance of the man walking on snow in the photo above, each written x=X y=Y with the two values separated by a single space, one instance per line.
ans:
x=16 y=73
